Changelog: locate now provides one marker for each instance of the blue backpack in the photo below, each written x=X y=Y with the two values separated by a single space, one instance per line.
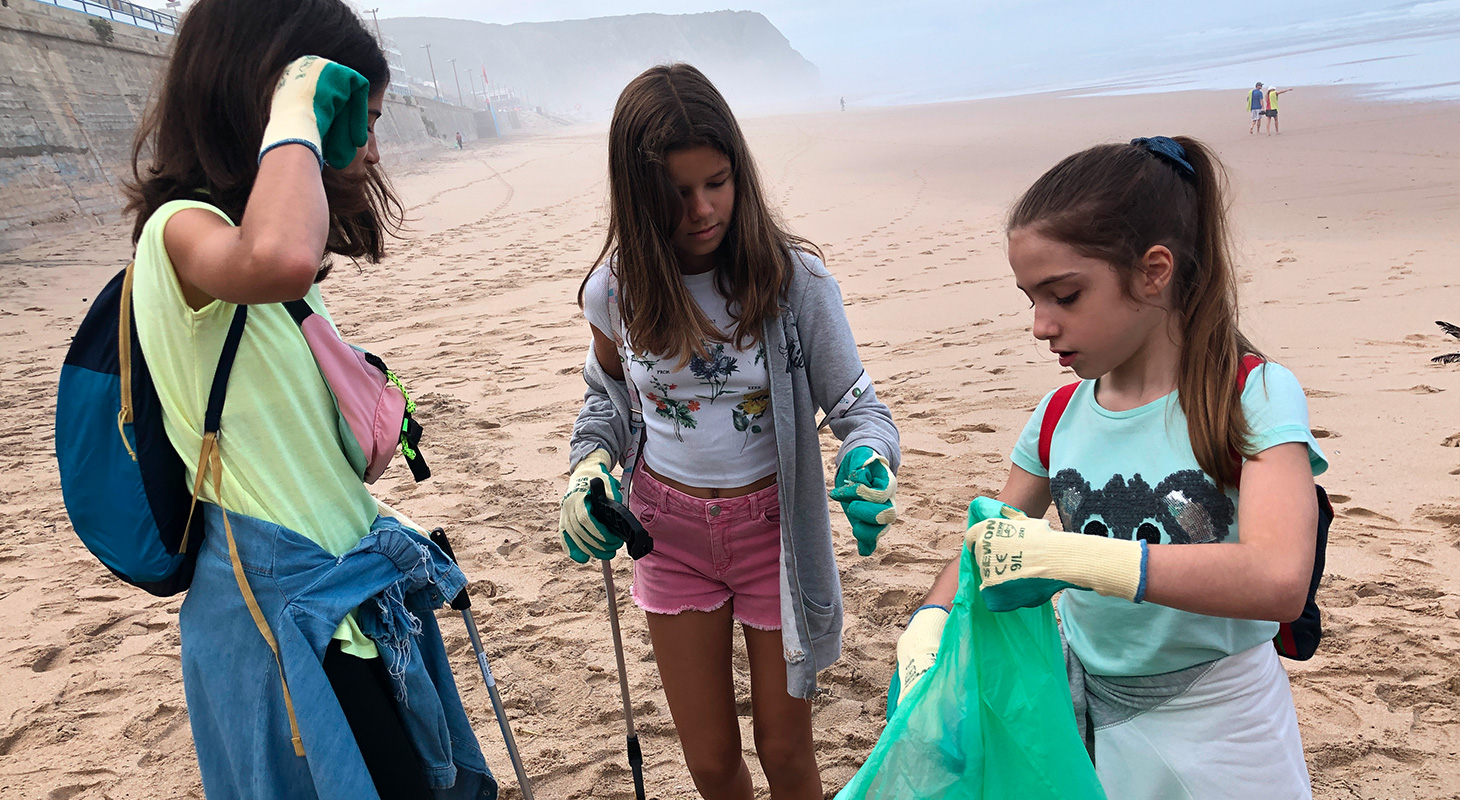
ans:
x=124 y=486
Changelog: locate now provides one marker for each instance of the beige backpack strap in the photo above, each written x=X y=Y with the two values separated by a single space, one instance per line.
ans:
x=211 y=460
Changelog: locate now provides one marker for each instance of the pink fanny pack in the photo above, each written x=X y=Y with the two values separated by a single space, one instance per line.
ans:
x=375 y=413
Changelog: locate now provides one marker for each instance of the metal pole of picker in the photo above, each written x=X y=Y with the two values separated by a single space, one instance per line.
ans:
x=462 y=603
x=621 y=523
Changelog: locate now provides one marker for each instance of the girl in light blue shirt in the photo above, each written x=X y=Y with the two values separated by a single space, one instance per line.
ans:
x=1175 y=584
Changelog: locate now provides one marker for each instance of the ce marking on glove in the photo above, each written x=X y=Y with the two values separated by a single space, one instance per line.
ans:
x=1001 y=562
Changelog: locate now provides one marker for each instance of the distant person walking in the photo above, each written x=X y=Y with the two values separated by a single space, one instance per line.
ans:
x=1272 y=105
x=458 y=140
x=844 y=104
x=1257 y=105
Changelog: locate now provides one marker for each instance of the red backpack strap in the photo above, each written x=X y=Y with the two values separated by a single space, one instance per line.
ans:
x=1249 y=363
x=1052 y=412
x=1244 y=368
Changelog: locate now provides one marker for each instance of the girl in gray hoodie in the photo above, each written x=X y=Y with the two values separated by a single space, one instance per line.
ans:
x=718 y=339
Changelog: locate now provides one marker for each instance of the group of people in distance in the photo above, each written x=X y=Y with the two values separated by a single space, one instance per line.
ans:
x=1264 y=105
x=719 y=347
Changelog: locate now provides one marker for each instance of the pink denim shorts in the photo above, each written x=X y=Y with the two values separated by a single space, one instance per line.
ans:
x=707 y=552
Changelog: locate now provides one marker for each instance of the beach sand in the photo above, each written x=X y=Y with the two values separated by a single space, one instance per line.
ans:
x=1348 y=244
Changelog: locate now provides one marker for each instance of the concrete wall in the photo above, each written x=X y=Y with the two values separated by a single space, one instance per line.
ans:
x=70 y=104
x=411 y=126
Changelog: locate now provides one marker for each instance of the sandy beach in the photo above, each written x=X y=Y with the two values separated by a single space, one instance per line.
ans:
x=1348 y=240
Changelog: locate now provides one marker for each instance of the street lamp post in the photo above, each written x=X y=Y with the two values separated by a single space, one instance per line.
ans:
x=472 y=85
x=373 y=15
x=434 y=87
x=457 y=73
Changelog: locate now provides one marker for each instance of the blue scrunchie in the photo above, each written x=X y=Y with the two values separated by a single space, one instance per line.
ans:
x=1168 y=150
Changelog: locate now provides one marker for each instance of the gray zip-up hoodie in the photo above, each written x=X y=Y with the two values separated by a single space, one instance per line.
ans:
x=814 y=369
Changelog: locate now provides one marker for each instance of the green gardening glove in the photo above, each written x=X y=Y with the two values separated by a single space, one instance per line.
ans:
x=866 y=487
x=323 y=106
x=584 y=536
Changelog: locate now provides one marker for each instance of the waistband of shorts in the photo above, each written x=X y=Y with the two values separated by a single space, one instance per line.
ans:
x=654 y=493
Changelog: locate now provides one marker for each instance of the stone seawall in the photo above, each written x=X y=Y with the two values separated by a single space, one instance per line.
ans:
x=69 y=104
x=72 y=91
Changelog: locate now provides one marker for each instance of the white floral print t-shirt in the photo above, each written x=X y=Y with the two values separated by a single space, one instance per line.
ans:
x=709 y=423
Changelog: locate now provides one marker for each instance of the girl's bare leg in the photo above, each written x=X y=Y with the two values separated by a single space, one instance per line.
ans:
x=693 y=650
x=782 y=722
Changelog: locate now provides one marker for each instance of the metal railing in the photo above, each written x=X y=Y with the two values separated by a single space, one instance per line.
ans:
x=122 y=11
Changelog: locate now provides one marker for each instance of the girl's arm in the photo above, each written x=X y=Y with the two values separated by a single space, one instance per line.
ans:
x=833 y=364
x=607 y=353
x=1023 y=490
x=273 y=255
x=603 y=421
x=1265 y=575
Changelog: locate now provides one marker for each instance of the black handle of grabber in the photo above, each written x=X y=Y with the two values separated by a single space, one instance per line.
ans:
x=462 y=601
x=636 y=764
x=619 y=520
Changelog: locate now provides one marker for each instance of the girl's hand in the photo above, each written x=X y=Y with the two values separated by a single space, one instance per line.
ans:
x=323 y=106
x=584 y=536
x=917 y=647
x=1023 y=562
x=866 y=488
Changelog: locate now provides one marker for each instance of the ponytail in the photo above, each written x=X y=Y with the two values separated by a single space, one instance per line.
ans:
x=1114 y=202
x=1212 y=346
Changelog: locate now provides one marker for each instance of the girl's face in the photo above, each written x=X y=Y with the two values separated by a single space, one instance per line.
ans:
x=370 y=153
x=1081 y=305
x=706 y=184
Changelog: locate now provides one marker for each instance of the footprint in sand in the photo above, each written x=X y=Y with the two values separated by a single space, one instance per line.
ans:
x=1363 y=513
x=1444 y=515
x=47 y=658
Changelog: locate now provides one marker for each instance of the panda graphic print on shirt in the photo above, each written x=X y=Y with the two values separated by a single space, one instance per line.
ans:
x=1184 y=507
x=1131 y=474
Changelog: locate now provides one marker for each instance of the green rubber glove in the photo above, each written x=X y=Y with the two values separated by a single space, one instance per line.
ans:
x=1023 y=562
x=866 y=488
x=323 y=106
x=583 y=536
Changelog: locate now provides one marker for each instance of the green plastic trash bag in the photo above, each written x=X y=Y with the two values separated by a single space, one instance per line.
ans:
x=992 y=720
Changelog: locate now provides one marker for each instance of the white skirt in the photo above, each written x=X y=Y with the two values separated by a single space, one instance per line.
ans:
x=1232 y=734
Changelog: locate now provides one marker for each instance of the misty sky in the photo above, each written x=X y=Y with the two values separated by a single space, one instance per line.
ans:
x=881 y=48
x=871 y=45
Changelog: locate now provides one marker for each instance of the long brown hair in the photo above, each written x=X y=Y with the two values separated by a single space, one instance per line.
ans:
x=1114 y=202
x=200 y=137
x=669 y=108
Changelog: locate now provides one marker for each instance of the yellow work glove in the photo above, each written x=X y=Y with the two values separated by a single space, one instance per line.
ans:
x=323 y=106
x=917 y=647
x=1023 y=562
x=583 y=536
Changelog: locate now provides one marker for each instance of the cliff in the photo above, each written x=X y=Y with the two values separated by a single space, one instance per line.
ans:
x=580 y=66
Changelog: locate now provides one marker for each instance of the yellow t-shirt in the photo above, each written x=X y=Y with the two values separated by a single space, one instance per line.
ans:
x=1272 y=99
x=279 y=437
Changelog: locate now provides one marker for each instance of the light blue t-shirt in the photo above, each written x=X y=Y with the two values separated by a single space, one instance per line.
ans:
x=1132 y=474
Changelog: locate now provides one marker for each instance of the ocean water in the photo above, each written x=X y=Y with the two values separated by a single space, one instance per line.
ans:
x=1404 y=52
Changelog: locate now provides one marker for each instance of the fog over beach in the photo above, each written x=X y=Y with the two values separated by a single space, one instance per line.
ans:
x=939 y=50
x=1347 y=239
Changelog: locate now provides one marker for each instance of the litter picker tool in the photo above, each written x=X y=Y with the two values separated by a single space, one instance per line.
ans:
x=622 y=523
x=462 y=603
